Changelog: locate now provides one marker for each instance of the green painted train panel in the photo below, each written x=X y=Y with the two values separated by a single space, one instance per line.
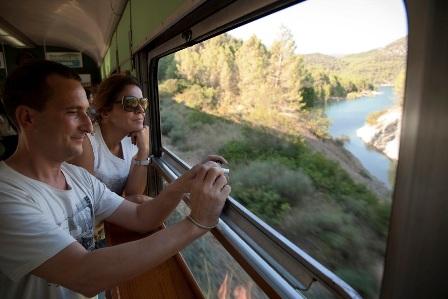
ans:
x=123 y=30
x=147 y=16
x=106 y=66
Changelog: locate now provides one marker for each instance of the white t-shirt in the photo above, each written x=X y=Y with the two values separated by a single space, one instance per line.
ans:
x=37 y=221
x=108 y=168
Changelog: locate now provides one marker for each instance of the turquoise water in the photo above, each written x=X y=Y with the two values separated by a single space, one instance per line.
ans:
x=348 y=116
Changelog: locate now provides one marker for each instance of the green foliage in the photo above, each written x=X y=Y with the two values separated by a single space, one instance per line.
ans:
x=361 y=279
x=265 y=203
x=196 y=118
x=269 y=92
x=289 y=186
x=307 y=197
x=356 y=72
x=171 y=87
x=167 y=68
x=199 y=97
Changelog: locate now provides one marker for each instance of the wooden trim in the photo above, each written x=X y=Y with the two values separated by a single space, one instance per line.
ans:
x=171 y=279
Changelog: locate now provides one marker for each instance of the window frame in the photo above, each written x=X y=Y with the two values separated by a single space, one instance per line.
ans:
x=268 y=257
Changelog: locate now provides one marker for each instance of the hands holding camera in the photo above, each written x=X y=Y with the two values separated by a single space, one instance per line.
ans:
x=209 y=190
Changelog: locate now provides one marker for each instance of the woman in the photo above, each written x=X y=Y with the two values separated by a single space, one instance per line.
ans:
x=117 y=152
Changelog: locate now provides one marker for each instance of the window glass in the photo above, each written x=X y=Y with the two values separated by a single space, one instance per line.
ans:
x=216 y=272
x=305 y=104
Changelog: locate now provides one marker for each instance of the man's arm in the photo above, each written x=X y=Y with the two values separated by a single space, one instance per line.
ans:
x=152 y=213
x=91 y=272
x=149 y=215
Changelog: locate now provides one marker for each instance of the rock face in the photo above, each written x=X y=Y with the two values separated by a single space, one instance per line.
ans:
x=384 y=135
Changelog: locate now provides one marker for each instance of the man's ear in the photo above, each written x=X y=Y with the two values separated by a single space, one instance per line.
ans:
x=25 y=116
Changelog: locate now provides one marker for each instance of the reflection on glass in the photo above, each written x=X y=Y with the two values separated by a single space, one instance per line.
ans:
x=217 y=273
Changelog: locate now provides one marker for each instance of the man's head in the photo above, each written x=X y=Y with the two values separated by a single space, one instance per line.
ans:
x=27 y=85
x=48 y=105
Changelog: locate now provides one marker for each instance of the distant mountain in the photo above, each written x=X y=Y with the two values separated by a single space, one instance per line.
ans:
x=322 y=61
x=377 y=66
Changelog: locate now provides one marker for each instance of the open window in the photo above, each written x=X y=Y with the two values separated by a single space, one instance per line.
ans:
x=312 y=138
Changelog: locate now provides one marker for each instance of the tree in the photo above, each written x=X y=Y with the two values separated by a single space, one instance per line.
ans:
x=251 y=62
x=285 y=73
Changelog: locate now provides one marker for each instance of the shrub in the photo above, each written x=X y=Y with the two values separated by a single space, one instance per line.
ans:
x=197 y=118
x=290 y=185
x=198 y=97
x=172 y=87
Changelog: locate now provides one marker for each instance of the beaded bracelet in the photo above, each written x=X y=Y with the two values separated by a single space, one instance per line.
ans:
x=201 y=225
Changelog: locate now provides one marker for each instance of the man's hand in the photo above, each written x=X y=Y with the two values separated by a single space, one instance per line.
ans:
x=184 y=183
x=208 y=194
x=215 y=158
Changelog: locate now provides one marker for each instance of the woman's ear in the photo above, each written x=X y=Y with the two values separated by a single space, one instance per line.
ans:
x=105 y=115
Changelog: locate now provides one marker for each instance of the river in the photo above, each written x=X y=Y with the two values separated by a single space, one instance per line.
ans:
x=346 y=116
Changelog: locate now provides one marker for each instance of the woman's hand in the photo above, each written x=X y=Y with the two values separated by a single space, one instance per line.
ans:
x=141 y=140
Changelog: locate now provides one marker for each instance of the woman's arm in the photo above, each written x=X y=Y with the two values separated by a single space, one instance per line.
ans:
x=136 y=182
x=86 y=159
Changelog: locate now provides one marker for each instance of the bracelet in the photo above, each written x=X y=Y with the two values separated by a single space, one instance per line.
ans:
x=200 y=225
x=144 y=162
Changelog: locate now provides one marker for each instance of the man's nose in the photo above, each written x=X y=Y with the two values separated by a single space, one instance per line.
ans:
x=86 y=125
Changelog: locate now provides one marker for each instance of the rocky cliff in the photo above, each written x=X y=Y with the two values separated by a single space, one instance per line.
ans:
x=384 y=134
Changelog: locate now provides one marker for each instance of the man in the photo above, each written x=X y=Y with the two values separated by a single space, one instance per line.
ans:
x=48 y=208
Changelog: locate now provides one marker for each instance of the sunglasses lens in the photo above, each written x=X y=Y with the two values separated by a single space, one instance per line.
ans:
x=144 y=103
x=133 y=104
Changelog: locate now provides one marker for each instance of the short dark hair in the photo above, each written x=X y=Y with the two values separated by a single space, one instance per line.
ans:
x=109 y=90
x=27 y=85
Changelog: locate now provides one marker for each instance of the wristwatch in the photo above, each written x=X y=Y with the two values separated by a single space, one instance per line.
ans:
x=145 y=162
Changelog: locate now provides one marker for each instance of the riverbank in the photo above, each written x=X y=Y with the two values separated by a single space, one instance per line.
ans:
x=384 y=133
x=346 y=117
x=347 y=161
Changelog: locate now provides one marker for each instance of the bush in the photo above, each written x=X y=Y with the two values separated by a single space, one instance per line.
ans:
x=171 y=87
x=291 y=185
x=197 y=118
x=199 y=97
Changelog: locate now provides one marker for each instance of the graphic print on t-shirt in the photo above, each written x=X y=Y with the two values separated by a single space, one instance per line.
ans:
x=81 y=222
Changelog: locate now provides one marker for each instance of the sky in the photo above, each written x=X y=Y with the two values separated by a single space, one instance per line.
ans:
x=333 y=27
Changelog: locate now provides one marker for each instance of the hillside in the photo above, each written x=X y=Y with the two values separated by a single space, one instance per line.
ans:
x=377 y=66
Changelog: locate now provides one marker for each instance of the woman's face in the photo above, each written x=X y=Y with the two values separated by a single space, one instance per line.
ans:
x=124 y=120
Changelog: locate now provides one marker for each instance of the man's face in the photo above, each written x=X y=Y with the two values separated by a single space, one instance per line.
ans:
x=60 y=128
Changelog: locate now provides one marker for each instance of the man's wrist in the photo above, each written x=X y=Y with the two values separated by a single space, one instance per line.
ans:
x=195 y=230
x=173 y=190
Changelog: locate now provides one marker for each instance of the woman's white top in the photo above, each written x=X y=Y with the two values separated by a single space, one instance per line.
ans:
x=108 y=168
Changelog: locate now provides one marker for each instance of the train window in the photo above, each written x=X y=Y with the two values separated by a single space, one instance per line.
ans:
x=308 y=117
x=214 y=269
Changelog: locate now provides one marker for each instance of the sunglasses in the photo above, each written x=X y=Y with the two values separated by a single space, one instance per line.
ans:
x=134 y=104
